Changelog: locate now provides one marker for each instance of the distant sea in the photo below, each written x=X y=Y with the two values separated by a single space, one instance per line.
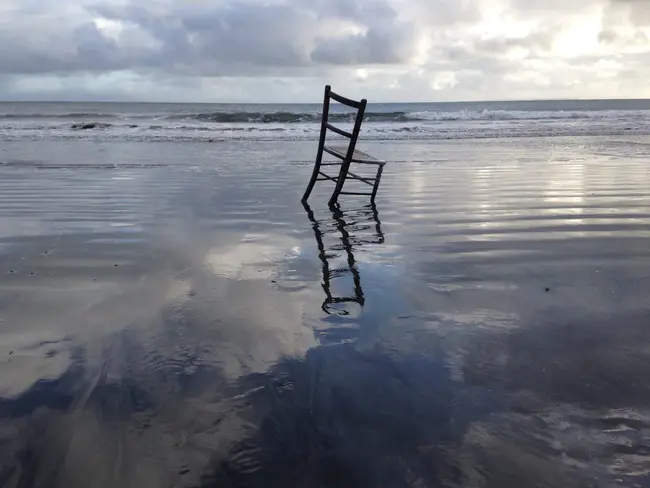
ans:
x=392 y=121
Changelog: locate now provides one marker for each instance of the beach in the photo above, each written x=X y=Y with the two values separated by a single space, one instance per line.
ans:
x=171 y=315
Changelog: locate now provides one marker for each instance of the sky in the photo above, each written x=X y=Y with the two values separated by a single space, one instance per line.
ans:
x=287 y=50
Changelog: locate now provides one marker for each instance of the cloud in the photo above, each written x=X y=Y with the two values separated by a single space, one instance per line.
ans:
x=636 y=11
x=383 y=46
x=407 y=49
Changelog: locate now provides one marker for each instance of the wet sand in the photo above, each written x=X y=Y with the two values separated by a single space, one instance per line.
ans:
x=171 y=315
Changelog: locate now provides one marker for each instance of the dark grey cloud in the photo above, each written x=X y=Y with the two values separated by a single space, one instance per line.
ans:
x=634 y=12
x=395 y=47
x=231 y=34
x=377 y=45
x=539 y=39
x=626 y=24
x=202 y=39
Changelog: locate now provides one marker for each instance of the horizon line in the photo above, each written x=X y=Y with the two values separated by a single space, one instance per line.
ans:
x=370 y=102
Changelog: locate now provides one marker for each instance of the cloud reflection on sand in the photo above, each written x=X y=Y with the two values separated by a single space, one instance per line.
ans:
x=493 y=347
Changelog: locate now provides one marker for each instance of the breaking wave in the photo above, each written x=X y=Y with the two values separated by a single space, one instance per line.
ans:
x=191 y=122
x=288 y=117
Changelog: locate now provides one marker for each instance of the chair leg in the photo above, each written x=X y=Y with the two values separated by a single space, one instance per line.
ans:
x=339 y=183
x=376 y=185
x=312 y=182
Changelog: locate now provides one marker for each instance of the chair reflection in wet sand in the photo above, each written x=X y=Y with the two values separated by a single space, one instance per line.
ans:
x=353 y=228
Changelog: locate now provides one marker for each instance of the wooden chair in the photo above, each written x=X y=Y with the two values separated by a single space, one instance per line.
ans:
x=345 y=153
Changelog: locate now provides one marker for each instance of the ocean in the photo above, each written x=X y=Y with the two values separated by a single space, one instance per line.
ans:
x=172 y=316
x=227 y=122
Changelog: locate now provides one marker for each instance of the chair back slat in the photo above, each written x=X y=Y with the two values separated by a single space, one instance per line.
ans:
x=346 y=101
x=340 y=132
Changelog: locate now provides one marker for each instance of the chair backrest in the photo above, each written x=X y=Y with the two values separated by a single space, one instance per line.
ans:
x=360 y=107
